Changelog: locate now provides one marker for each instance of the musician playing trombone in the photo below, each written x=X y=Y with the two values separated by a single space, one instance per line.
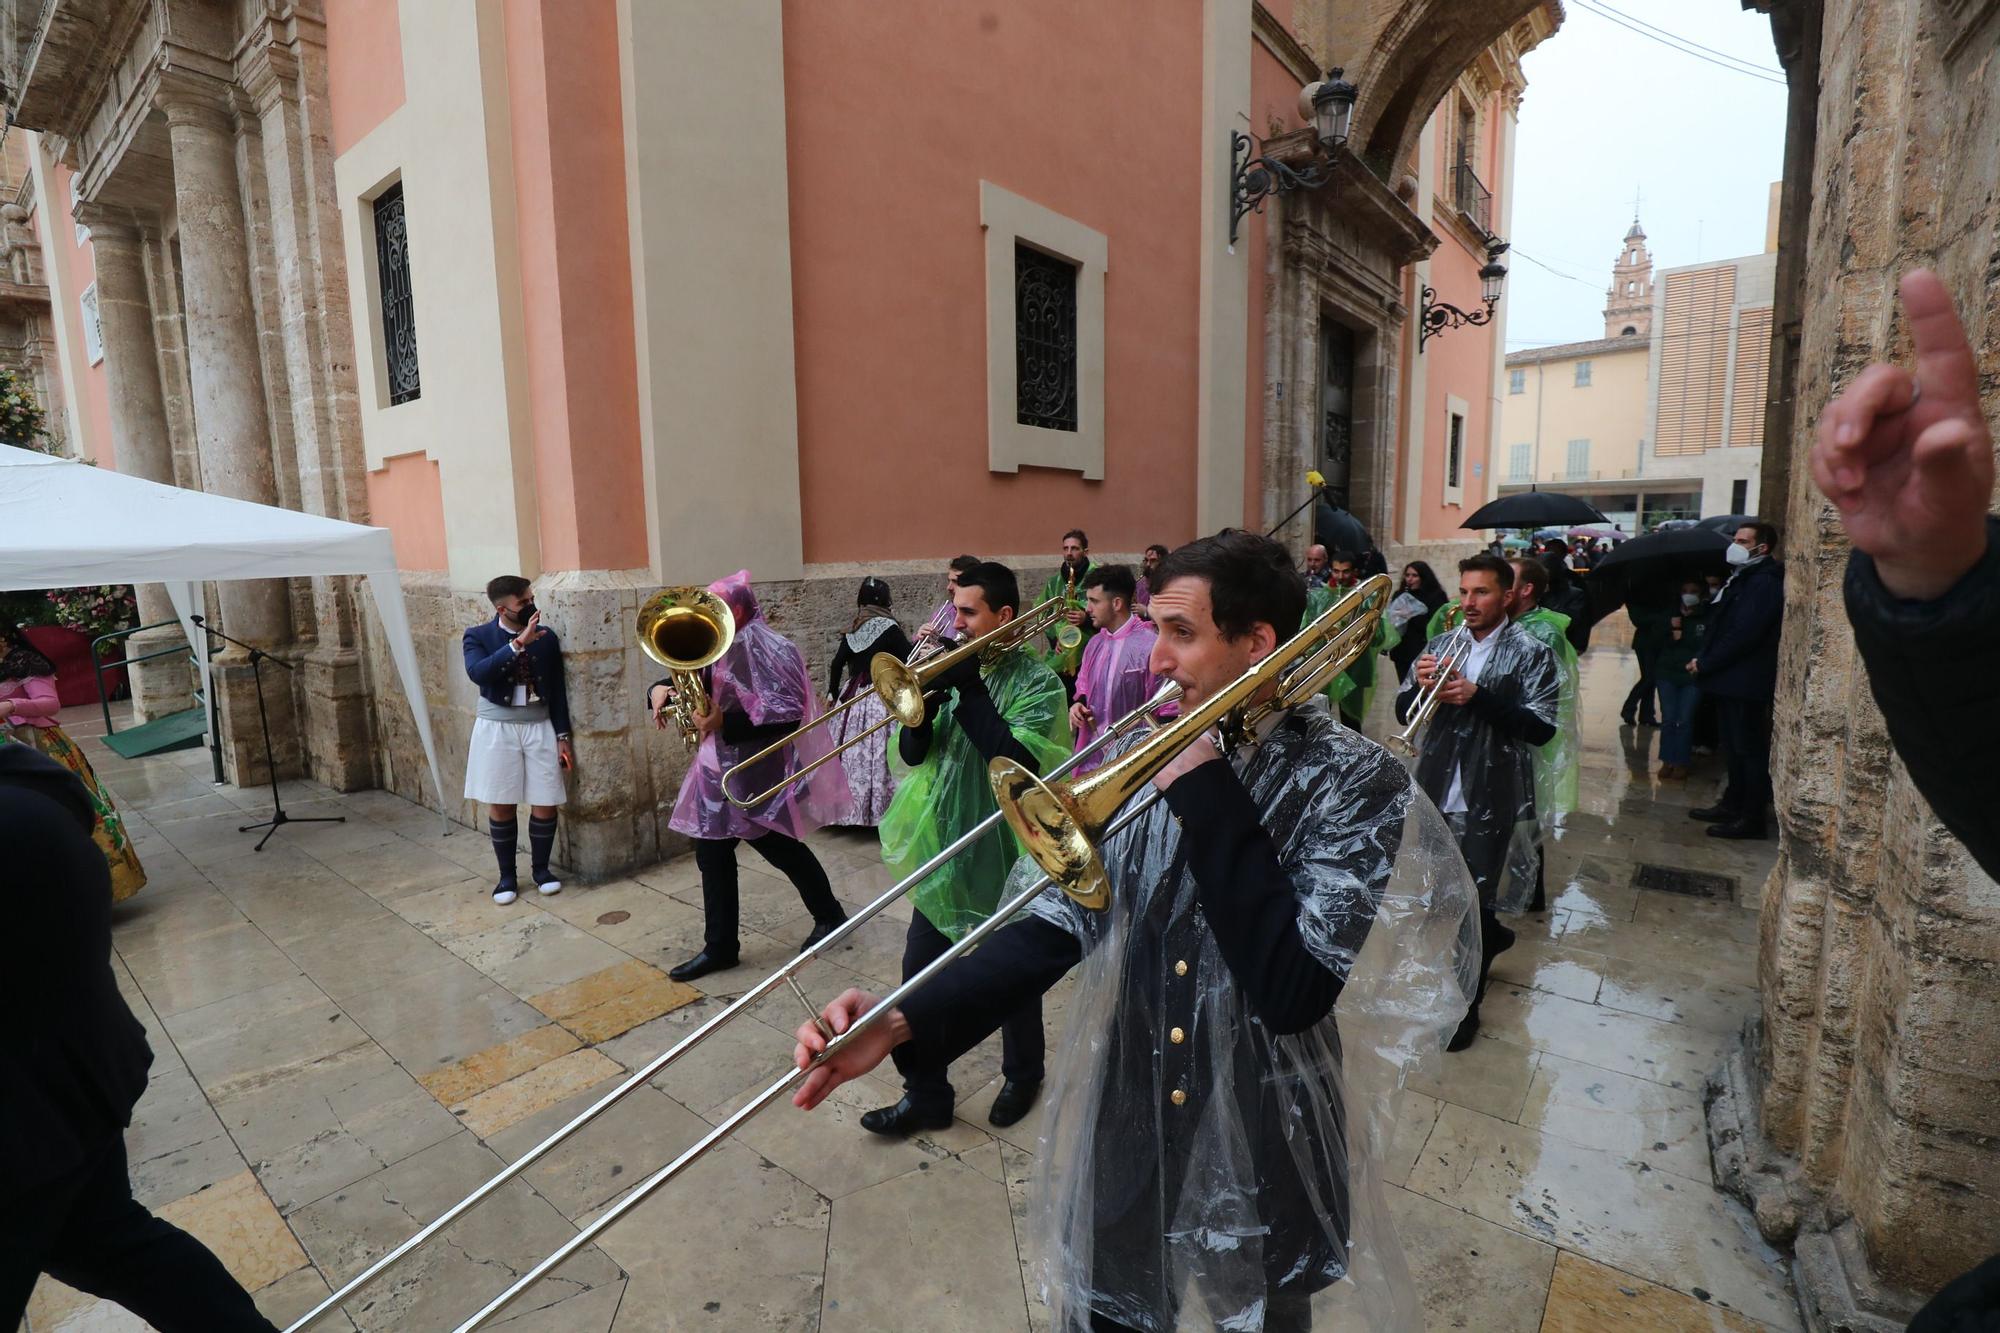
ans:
x=757 y=692
x=1201 y=1132
x=1013 y=706
x=1499 y=699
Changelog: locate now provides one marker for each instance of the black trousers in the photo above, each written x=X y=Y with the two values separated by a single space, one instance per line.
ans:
x=86 y=1229
x=1746 y=739
x=716 y=858
x=1021 y=1042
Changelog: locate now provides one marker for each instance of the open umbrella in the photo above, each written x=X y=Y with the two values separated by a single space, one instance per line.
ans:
x=1533 y=509
x=1698 y=549
x=1726 y=524
x=1605 y=531
x=1337 y=530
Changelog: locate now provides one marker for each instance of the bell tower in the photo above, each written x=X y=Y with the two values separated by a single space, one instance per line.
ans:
x=1628 y=310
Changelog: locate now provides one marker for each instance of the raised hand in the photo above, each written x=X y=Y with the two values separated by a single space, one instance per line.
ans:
x=1908 y=460
x=855 y=1058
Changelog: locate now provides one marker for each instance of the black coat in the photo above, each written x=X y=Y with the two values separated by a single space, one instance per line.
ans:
x=1740 y=658
x=1935 y=670
x=73 y=1059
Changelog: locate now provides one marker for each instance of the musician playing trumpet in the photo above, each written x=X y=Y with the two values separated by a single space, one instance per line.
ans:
x=1200 y=1134
x=756 y=693
x=1012 y=706
x=1498 y=700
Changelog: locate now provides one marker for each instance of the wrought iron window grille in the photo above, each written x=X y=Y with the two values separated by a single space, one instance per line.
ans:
x=399 y=318
x=1044 y=340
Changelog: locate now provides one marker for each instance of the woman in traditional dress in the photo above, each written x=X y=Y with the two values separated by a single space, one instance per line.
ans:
x=28 y=707
x=874 y=631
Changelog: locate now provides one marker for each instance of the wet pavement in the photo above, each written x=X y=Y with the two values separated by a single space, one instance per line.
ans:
x=349 y=1036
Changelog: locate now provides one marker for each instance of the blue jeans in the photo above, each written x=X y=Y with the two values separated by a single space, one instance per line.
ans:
x=1677 y=705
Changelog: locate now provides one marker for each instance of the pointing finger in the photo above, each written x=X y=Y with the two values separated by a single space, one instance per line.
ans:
x=1850 y=433
x=1945 y=363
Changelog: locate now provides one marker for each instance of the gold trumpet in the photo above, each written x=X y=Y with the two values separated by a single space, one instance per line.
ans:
x=1061 y=824
x=685 y=629
x=902 y=687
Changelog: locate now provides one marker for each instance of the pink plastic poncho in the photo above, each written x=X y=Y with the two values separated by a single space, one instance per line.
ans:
x=764 y=677
x=1114 y=679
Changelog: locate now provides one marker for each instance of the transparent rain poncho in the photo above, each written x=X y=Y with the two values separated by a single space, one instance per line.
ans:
x=1502 y=833
x=1556 y=776
x=763 y=676
x=1168 y=1216
x=941 y=798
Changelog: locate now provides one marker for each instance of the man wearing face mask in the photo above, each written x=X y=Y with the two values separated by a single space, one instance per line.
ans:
x=1738 y=668
x=520 y=738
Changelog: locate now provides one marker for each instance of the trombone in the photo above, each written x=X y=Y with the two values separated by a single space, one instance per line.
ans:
x=685 y=629
x=1454 y=650
x=1146 y=715
x=903 y=687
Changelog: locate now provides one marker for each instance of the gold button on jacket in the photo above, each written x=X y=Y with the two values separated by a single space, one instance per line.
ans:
x=1179 y=1098
x=1176 y=1036
x=1180 y=968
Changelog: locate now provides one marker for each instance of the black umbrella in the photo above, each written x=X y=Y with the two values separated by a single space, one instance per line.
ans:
x=1726 y=524
x=1648 y=570
x=1697 y=547
x=1534 y=509
x=1338 y=530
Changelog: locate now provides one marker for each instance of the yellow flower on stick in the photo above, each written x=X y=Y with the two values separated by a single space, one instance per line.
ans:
x=1316 y=481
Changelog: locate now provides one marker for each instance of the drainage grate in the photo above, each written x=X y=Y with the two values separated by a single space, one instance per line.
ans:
x=1687 y=883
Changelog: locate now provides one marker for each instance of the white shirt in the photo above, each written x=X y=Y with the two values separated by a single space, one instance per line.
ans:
x=1475 y=661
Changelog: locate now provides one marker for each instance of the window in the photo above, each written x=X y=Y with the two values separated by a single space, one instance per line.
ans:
x=1517 y=461
x=93 y=327
x=1579 y=461
x=1044 y=340
x=1739 y=496
x=399 y=318
x=1517 y=381
x=1629 y=331
x=1454 y=454
x=1583 y=374
x=1468 y=134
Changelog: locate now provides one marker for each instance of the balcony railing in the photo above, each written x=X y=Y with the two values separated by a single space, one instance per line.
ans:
x=1474 y=199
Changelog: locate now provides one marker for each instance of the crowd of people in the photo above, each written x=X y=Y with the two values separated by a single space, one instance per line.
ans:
x=1214 y=1113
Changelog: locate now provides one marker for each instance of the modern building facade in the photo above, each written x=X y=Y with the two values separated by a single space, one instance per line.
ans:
x=617 y=294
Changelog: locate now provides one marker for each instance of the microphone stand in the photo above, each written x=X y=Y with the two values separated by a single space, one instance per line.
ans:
x=278 y=817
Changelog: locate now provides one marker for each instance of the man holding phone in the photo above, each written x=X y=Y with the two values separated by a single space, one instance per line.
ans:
x=520 y=737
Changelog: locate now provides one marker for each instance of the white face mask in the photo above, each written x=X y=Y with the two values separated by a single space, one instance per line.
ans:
x=1690 y=600
x=1737 y=555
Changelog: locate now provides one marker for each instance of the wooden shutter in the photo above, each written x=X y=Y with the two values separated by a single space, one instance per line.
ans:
x=1753 y=373
x=1694 y=359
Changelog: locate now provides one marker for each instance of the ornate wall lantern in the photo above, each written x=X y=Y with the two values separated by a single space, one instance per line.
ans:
x=1436 y=316
x=1329 y=106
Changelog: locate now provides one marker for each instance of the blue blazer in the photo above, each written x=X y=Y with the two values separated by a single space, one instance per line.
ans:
x=489 y=661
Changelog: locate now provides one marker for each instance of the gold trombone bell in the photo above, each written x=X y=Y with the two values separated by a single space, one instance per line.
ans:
x=1060 y=823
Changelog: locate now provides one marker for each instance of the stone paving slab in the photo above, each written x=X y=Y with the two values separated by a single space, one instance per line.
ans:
x=318 y=1011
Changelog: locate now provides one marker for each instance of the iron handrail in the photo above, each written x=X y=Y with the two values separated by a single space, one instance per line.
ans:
x=97 y=662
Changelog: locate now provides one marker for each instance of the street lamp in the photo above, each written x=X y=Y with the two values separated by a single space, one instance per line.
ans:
x=1329 y=106
x=1436 y=316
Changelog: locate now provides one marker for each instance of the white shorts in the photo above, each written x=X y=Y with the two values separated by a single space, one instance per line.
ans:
x=513 y=763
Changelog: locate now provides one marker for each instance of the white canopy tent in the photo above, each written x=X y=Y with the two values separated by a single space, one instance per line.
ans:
x=65 y=524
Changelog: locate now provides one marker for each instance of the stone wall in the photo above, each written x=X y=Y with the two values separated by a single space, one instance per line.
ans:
x=1877 y=1072
x=628 y=773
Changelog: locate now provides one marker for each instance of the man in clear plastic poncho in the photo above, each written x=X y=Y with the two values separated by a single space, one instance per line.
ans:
x=1287 y=930
x=1476 y=758
x=758 y=691
x=1116 y=675
x=1013 y=706
x=1556 y=763
x=1353 y=690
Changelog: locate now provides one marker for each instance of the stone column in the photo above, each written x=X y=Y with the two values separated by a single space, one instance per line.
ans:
x=225 y=373
x=139 y=432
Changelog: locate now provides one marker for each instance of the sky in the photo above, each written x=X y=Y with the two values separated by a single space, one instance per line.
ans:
x=1610 y=113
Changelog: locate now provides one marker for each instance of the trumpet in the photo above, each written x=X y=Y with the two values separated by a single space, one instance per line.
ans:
x=1451 y=653
x=903 y=687
x=685 y=629
x=1145 y=716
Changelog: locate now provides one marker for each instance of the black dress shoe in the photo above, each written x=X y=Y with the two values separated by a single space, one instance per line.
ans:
x=1715 y=814
x=1648 y=720
x=702 y=964
x=1468 y=1029
x=1015 y=1100
x=820 y=930
x=1742 y=828
x=903 y=1119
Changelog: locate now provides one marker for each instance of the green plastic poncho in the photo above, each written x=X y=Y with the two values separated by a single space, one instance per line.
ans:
x=1438 y=621
x=1359 y=678
x=1066 y=662
x=1556 y=776
x=941 y=798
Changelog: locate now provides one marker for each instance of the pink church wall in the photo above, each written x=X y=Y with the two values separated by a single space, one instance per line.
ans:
x=406 y=496
x=890 y=125
x=576 y=282
x=364 y=67
x=93 y=395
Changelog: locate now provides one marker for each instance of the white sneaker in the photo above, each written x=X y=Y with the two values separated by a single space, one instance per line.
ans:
x=503 y=893
x=548 y=886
